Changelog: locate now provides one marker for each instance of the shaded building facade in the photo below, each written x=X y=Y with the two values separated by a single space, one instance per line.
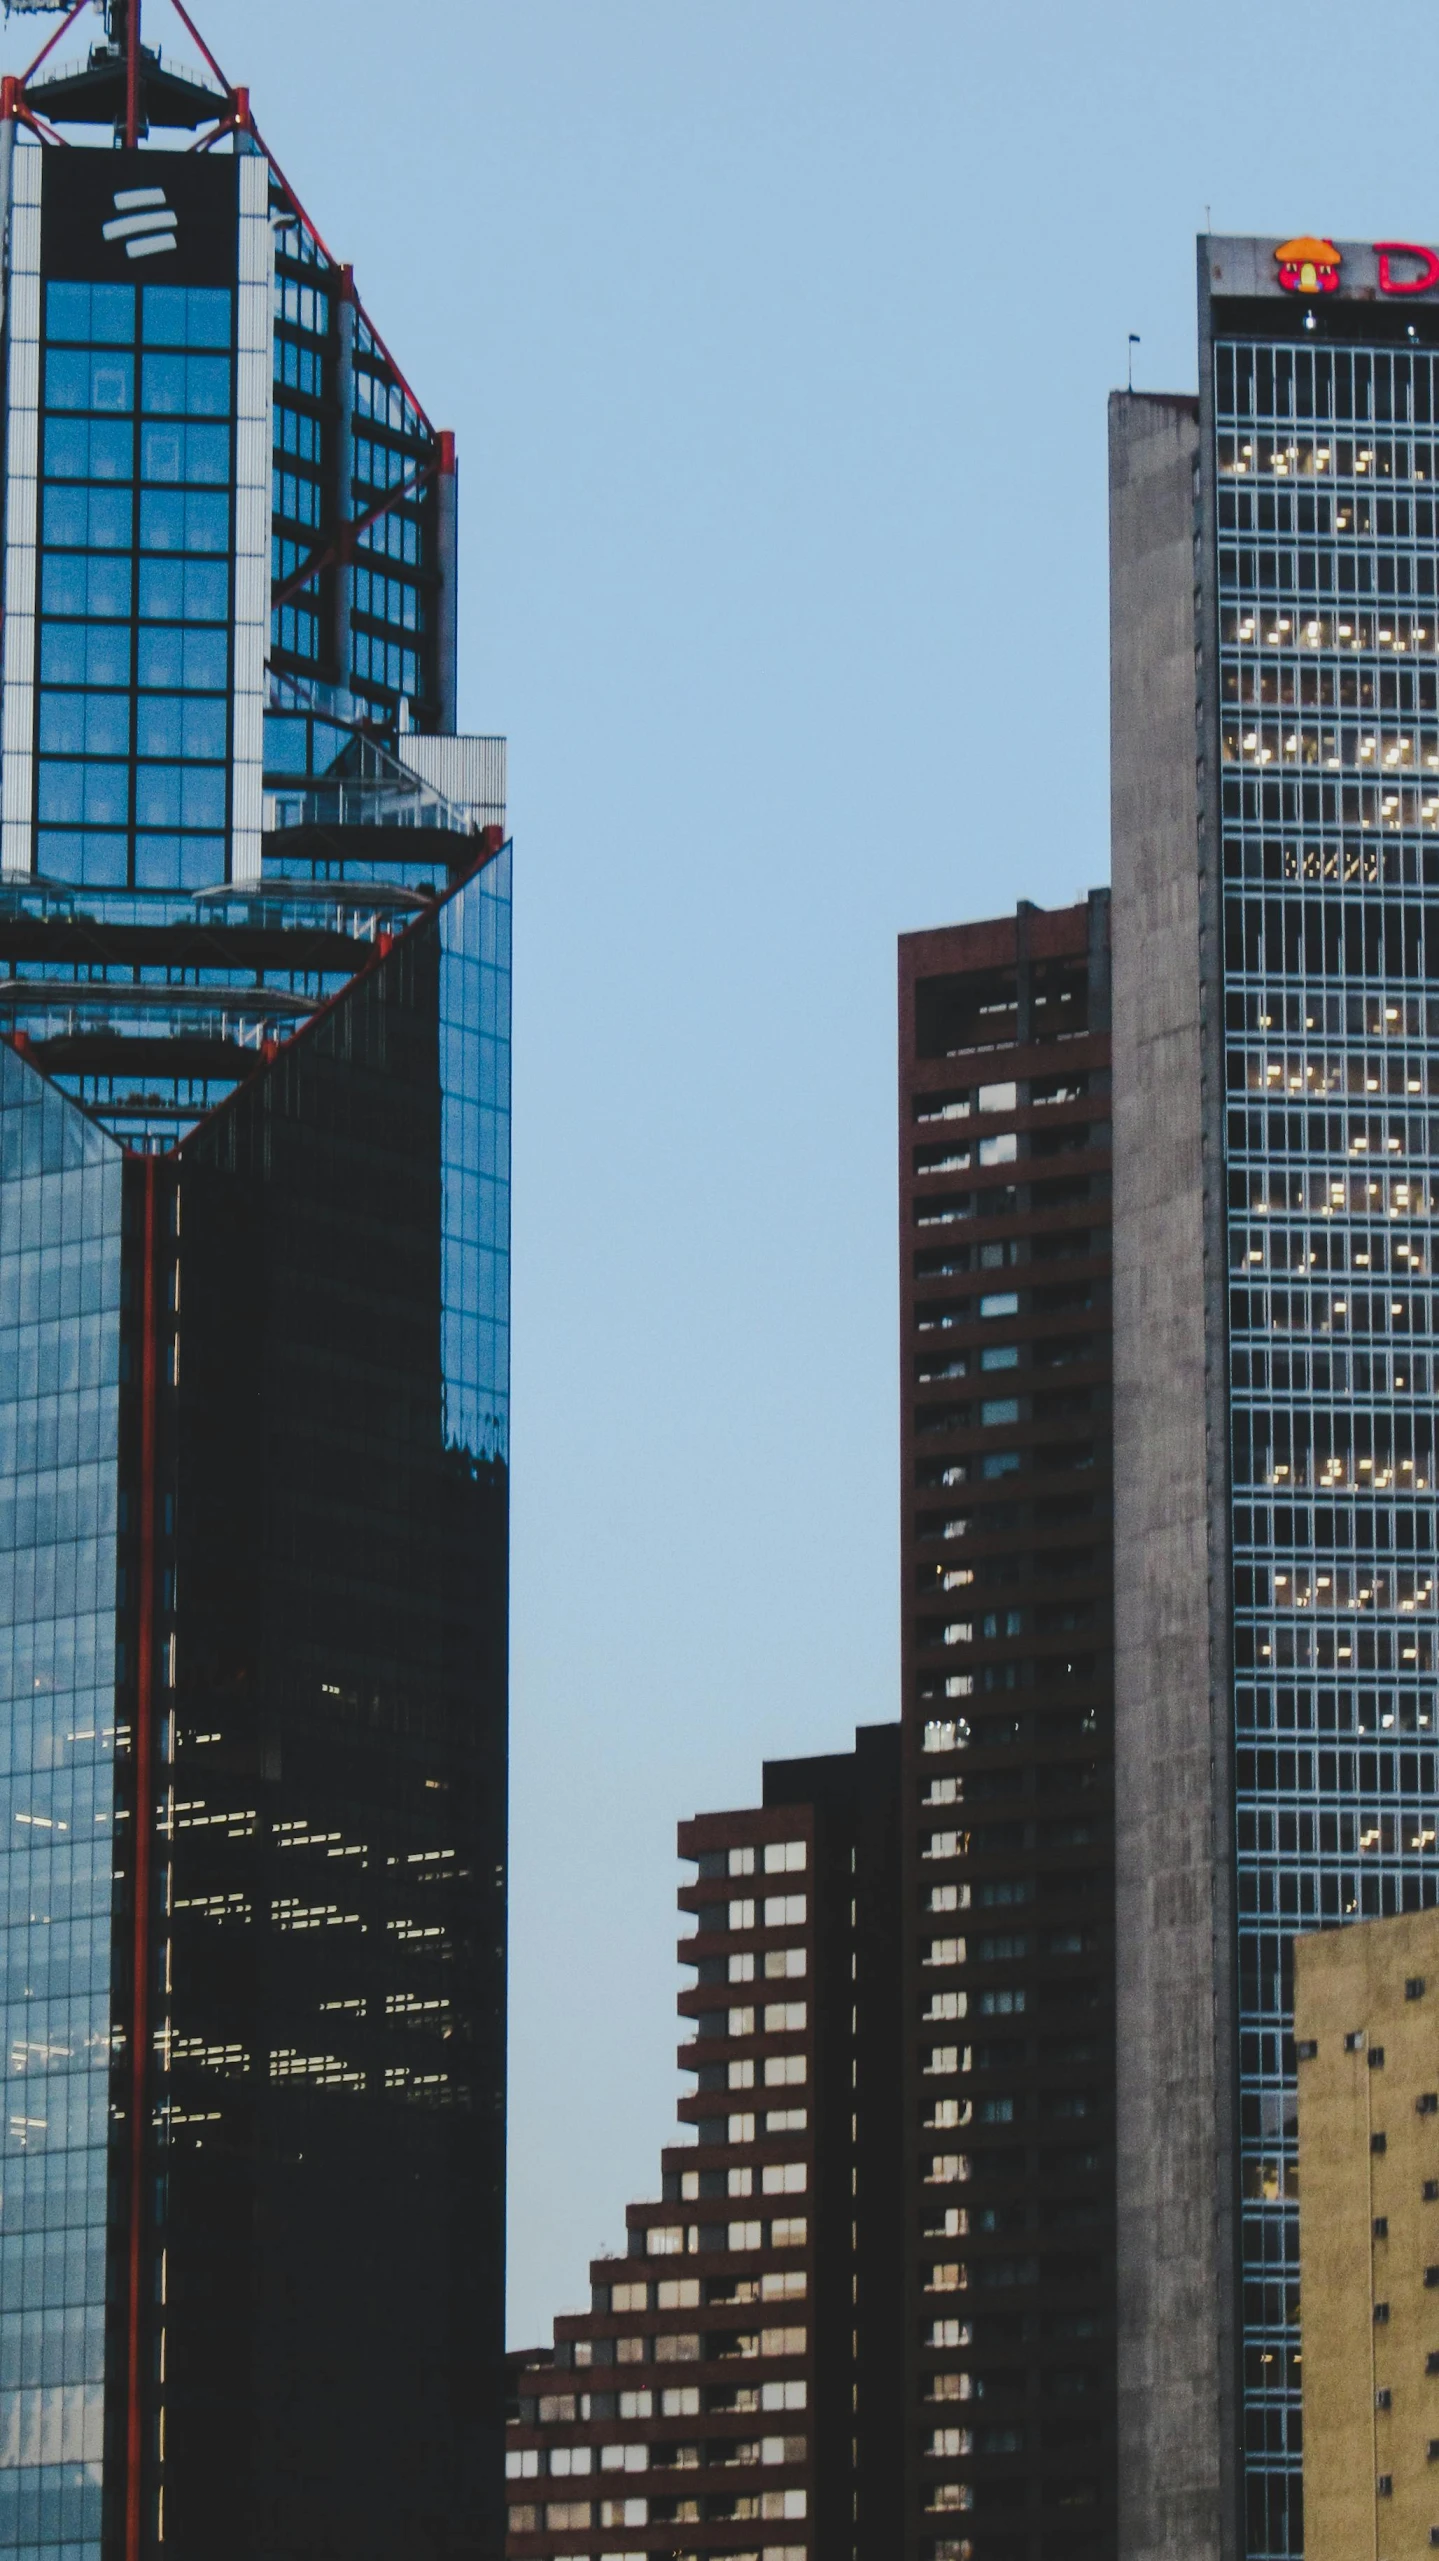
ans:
x=1275 y=655
x=1367 y=2055
x=734 y=2387
x=1006 y=1548
x=254 y=962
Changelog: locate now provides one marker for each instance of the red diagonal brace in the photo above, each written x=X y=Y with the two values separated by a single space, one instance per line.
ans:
x=342 y=548
x=47 y=49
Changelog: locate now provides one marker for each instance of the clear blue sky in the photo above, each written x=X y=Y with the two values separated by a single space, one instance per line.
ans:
x=776 y=335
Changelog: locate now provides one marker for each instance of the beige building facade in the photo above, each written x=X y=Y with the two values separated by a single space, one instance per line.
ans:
x=1366 y=2027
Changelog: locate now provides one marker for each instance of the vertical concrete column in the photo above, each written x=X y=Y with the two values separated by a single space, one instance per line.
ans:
x=1173 y=1986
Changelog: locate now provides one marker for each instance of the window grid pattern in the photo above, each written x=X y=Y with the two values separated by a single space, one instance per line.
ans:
x=1329 y=779
x=346 y=430
x=60 y=1213
x=303 y=375
x=22 y=391
x=475 y=1161
x=133 y=714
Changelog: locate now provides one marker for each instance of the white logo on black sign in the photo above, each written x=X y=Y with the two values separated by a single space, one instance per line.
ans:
x=143 y=221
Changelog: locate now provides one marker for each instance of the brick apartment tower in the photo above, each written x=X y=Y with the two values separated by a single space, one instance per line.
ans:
x=1009 y=2425
x=734 y=2387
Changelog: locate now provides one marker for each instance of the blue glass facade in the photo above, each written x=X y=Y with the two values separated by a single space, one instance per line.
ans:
x=60 y=1283
x=1327 y=572
x=254 y=1216
x=475 y=1160
x=133 y=703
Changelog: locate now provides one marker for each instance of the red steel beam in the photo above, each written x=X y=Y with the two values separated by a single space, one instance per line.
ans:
x=132 y=74
x=343 y=547
x=49 y=48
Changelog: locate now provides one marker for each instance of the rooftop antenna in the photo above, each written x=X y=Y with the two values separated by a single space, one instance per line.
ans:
x=1133 y=343
x=130 y=9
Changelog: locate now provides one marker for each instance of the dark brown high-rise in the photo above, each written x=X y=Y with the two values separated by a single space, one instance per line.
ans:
x=1007 y=1726
x=734 y=2388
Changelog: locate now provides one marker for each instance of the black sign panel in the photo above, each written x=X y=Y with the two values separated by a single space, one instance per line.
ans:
x=139 y=217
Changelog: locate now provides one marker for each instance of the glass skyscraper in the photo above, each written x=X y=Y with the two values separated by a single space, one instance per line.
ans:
x=1276 y=655
x=254 y=1046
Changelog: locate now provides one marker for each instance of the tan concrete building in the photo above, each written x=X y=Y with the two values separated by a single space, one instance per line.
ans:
x=1366 y=2026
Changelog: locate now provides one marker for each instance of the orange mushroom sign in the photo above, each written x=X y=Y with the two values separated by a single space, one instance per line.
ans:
x=1308 y=266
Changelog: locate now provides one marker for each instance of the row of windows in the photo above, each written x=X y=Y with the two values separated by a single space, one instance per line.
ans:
x=303 y=306
x=299 y=368
x=682 y=2293
x=1276 y=801
x=990 y=1840
x=672 y=2240
x=381 y=662
x=1331 y=1373
x=1350 y=385
x=164 y=590
x=391 y=600
x=99 y=795
x=104 y=382
x=188 y=316
x=1381 y=1014
x=1314 y=516
x=1315 y=1447
x=1299 y=1709
x=776 y=1858
x=1324 y=936
x=99 y=859
x=296 y=630
x=1341 y=1834
x=295 y=498
x=1337 y=1243
x=1313 y=1584
x=777 y=1911
x=570 y=2462
x=1254 y=857
x=386 y=403
x=366 y=344
x=1312 y=1071
x=296 y=432
x=1281 y=681
x=80 y=519
x=180 y=658
x=174 y=726
x=1327 y=457
x=1389 y=634
x=566 y=2516
x=381 y=466
x=105 y=450
x=1306 y=580
x=778 y=2018
x=396 y=536
x=1297 y=742
x=1333 y=1895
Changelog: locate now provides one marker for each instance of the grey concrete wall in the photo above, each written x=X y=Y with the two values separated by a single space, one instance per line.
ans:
x=1175 y=2276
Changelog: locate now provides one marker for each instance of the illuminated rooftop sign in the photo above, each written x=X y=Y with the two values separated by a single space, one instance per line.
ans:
x=1310 y=264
